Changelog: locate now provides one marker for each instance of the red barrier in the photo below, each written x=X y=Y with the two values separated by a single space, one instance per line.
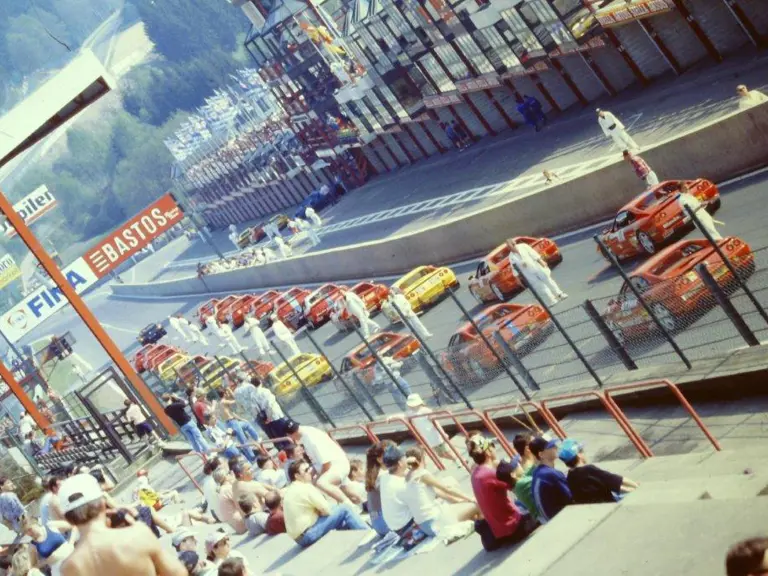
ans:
x=186 y=471
x=680 y=397
x=612 y=409
x=545 y=414
x=415 y=433
x=371 y=436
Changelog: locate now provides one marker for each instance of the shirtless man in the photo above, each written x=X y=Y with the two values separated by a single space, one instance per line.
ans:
x=100 y=550
x=245 y=485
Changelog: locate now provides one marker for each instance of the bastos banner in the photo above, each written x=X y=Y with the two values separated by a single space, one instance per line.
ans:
x=134 y=235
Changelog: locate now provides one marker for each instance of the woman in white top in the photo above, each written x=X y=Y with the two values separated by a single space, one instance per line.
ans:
x=434 y=504
x=374 y=462
x=392 y=488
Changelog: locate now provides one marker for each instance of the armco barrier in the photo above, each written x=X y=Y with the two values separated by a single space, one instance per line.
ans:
x=719 y=150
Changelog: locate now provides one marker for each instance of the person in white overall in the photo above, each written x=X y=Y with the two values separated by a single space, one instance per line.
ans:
x=175 y=325
x=535 y=271
x=224 y=332
x=194 y=331
x=282 y=248
x=253 y=326
x=615 y=130
x=305 y=226
x=312 y=216
x=356 y=307
x=400 y=302
x=234 y=236
x=706 y=221
x=285 y=336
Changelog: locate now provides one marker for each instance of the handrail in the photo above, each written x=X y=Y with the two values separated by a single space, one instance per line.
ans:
x=612 y=409
x=186 y=471
x=260 y=445
x=371 y=436
x=414 y=432
x=545 y=414
x=677 y=393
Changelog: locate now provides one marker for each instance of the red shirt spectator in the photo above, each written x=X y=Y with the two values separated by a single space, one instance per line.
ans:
x=493 y=499
x=200 y=408
x=276 y=522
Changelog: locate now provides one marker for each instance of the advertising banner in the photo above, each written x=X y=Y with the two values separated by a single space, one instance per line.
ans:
x=31 y=207
x=9 y=270
x=134 y=235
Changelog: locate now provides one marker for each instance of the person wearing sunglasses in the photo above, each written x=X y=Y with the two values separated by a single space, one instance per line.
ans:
x=219 y=549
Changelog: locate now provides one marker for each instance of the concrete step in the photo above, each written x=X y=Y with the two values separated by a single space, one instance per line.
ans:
x=621 y=467
x=666 y=467
x=269 y=553
x=689 y=489
x=333 y=551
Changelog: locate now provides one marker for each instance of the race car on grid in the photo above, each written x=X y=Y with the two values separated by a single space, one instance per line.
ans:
x=522 y=326
x=311 y=368
x=222 y=308
x=167 y=369
x=495 y=279
x=655 y=217
x=423 y=287
x=151 y=334
x=320 y=303
x=141 y=357
x=401 y=347
x=374 y=295
x=290 y=307
x=262 y=308
x=239 y=309
x=673 y=289
x=205 y=311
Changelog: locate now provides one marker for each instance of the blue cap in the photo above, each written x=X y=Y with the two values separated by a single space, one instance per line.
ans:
x=392 y=455
x=569 y=450
x=539 y=444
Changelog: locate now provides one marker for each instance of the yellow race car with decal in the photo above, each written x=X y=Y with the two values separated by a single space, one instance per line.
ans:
x=424 y=286
x=311 y=368
x=214 y=373
x=167 y=369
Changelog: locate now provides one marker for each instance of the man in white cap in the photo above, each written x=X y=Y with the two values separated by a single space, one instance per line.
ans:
x=400 y=302
x=285 y=336
x=356 y=307
x=100 y=550
x=194 y=330
x=430 y=431
x=175 y=325
x=535 y=270
x=253 y=326
x=615 y=130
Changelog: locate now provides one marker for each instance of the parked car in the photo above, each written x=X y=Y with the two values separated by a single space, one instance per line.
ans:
x=151 y=334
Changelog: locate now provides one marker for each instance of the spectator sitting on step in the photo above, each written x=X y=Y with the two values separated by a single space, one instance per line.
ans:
x=268 y=474
x=276 y=519
x=233 y=567
x=524 y=484
x=219 y=549
x=255 y=519
x=550 y=487
x=502 y=523
x=393 y=489
x=195 y=564
x=588 y=483
x=146 y=495
x=748 y=558
x=429 y=430
x=12 y=511
x=293 y=452
x=244 y=484
x=230 y=511
x=374 y=470
x=308 y=516
x=224 y=440
x=356 y=482
x=211 y=488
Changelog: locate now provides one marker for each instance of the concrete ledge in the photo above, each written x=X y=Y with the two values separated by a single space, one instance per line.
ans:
x=734 y=145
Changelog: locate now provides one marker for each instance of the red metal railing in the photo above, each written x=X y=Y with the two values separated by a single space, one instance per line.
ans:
x=545 y=414
x=186 y=471
x=371 y=436
x=680 y=398
x=415 y=433
x=612 y=409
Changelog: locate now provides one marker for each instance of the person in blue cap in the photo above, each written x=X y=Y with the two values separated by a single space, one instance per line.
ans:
x=550 y=487
x=588 y=483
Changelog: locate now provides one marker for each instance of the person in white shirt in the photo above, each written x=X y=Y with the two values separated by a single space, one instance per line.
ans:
x=234 y=236
x=535 y=271
x=614 y=129
x=419 y=413
x=393 y=490
x=193 y=329
x=175 y=325
x=356 y=307
x=357 y=479
x=706 y=221
x=305 y=226
x=253 y=327
x=136 y=416
x=282 y=248
x=749 y=98
x=26 y=425
x=227 y=337
x=327 y=457
x=397 y=299
x=268 y=474
x=312 y=216
x=218 y=548
x=285 y=337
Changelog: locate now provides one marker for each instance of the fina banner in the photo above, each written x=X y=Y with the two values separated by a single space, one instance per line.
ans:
x=9 y=270
x=31 y=207
x=45 y=302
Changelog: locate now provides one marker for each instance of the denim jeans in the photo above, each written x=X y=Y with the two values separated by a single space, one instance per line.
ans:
x=241 y=428
x=194 y=437
x=342 y=517
x=398 y=395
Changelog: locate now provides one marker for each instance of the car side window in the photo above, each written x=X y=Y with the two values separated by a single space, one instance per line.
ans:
x=455 y=341
x=482 y=270
x=623 y=219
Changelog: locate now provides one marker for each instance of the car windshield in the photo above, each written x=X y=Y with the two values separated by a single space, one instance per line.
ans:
x=320 y=293
x=499 y=254
x=676 y=259
x=361 y=288
x=413 y=277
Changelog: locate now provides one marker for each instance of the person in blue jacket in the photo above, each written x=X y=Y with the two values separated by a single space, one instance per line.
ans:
x=550 y=486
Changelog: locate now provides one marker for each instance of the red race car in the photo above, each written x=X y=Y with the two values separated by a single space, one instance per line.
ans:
x=494 y=280
x=189 y=372
x=374 y=295
x=140 y=358
x=522 y=326
x=290 y=307
x=396 y=346
x=260 y=368
x=157 y=357
x=223 y=306
x=320 y=303
x=205 y=311
x=240 y=308
x=655 y=217
x=673 y=289
x=262 y=307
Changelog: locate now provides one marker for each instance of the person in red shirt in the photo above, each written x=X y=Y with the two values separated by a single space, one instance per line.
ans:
x=502 y=523
x=276 y=520
x=642 y=169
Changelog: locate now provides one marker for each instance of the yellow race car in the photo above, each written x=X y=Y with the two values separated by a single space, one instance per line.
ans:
x=167 y=369
x=423 y=287
x=311 y=368
x=213 y=374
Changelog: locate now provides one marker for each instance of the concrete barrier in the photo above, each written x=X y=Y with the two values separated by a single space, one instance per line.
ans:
x=734 y=145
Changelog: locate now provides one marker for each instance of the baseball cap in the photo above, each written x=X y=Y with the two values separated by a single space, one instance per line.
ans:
x=213 y=539
x=414 y=400
x=180 y=535
x=392 y=455
x=539 y=444
x=78 y=490
x=569 y=450
x=190 y=559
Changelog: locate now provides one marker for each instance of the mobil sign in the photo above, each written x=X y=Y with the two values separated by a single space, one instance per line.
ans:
x=134 y=235
x=44 y=302
x=30 y=208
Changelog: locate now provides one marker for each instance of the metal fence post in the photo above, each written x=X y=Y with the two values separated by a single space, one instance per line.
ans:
x=487 y=342
x=431 y=354
x=728 y=264
x=725 y=304
x=389 y=372
x=339 y=376
x=310 y=398
x=559 y=326
x=610 y=255
x=516 y=362
x=610 y=337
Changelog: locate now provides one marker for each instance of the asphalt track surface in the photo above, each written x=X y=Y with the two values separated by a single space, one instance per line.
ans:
x=583 y=274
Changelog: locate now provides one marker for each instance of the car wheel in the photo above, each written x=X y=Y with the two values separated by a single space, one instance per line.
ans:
x=664 y=316
x=646 y=242
x=714 y=206
x=618 y=333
